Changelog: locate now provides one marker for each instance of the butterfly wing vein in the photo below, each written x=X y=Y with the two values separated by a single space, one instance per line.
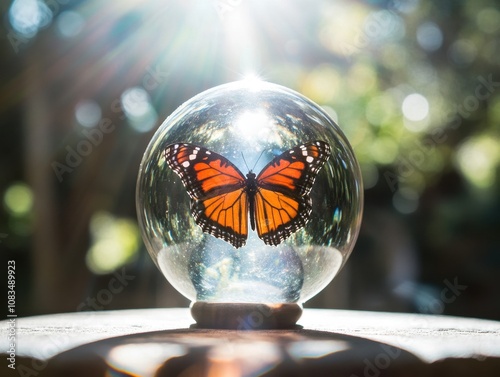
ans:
x=283 y=204
x=220 y=195
x=219 y=202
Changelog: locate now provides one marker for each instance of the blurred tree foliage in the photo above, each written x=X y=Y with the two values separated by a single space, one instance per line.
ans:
x=413 y=83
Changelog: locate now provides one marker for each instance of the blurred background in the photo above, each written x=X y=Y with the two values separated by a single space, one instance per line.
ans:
x=414 y=84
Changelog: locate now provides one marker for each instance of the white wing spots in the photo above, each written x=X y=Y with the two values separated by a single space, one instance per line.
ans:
x=208 y=152
x=186 y=163
x=310 y=159
x=304 y=153
x=291 y=152
x=176 y=146
x=192 y=156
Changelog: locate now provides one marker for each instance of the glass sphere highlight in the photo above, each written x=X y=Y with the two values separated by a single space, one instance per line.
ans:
x=249 y=123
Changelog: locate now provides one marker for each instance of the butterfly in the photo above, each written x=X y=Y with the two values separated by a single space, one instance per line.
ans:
x=277 y=200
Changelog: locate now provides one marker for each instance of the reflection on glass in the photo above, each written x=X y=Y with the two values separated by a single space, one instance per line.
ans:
x=253 y=124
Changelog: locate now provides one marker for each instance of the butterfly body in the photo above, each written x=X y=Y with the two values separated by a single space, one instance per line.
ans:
x=276 y=200
x=251 y=190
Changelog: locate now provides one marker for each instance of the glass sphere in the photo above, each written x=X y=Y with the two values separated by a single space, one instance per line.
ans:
x=249 y=123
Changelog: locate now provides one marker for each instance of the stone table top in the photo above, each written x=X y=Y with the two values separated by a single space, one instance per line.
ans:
x=352 y=342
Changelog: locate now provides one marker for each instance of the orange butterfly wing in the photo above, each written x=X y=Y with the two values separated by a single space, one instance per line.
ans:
x=282 y=202
x=219 y=202
x=277 y=199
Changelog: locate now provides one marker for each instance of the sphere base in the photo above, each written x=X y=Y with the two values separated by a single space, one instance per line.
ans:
x=245 y=316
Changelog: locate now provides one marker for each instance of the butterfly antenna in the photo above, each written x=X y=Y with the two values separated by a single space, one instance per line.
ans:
x=244 y=161
x=260 y=155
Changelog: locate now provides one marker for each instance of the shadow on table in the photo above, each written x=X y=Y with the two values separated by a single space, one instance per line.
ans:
x=298 y=352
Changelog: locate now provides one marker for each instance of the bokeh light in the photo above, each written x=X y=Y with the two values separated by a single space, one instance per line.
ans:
x=407 y=6
x=415 y=107
x=28 y=16
x=115 y=242
x=69 y=24
x=18 y=199
x=429 y=36
x=478 y=158
x=322 y=84
x=462 y=52
x=88 y=113
x=384 y=26
x=488 y=20
x=341 y=28
x=384 y=150
x=137 y=106
x=405 y=200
